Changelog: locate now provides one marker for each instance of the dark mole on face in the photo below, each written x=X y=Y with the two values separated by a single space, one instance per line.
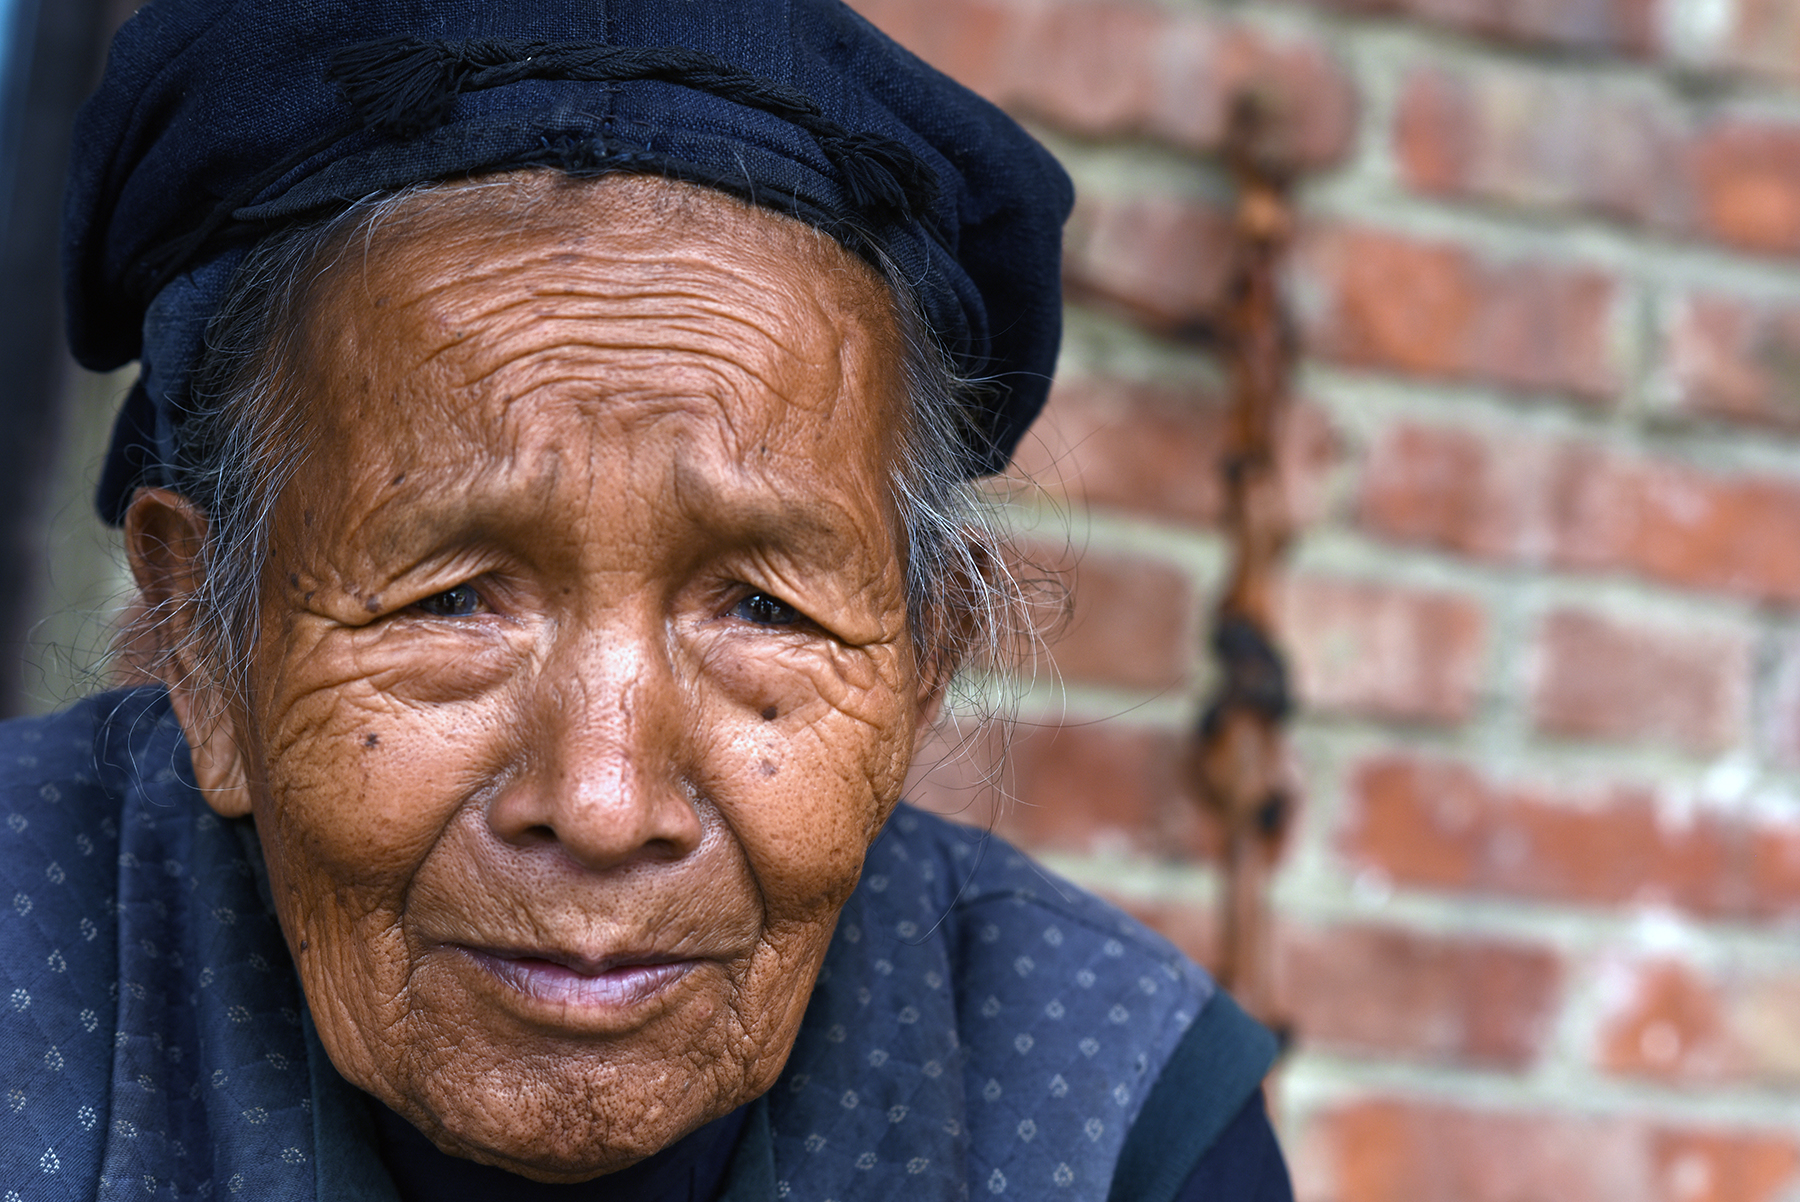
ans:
x=370 y=739
x=373 y=605
x=400 y=479
x=769 y=714
x=768 y=769
x=293 y=580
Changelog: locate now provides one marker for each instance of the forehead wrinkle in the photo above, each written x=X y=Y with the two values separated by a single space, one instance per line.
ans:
x=781 y=342
x=770 y=348
x=725 y=499
x=606 y=275
x=616 y=367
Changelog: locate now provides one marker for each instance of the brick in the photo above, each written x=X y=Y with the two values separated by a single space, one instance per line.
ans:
x=1361 y=989
x=1438 y=825
x=1715 y=1166
x=1384 y=300
x=1597 y=678
x=1617 y=26
x=1155 y=450
x=1382 y=651
x=1114 y=68
x=1135 y=623
x=1095 y=789
x=1163 y=260
x=1551 y=141
x=1542 y=141
x=1774 y=872
x=1759 y=39
x=1393 y=1150
x=1663 y=1019
x=1575 y=504
x=1366 y=991
x=1746 y=178
x=1668 y=1020
x=1733 y=359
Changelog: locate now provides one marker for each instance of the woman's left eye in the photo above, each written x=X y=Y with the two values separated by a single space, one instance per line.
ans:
x=459 y=602
x=765 y=610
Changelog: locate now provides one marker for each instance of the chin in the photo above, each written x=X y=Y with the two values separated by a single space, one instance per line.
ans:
x=566 y=1116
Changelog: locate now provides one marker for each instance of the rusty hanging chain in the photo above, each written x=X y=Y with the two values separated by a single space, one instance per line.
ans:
x=1238 y=766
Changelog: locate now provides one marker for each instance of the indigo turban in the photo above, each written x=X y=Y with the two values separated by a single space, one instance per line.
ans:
x=220 y=121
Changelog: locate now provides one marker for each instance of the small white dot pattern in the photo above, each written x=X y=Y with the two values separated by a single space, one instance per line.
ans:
x=980 y=1029
x=152 y=1044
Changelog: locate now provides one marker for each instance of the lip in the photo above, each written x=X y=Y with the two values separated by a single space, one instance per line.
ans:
x=613 y=983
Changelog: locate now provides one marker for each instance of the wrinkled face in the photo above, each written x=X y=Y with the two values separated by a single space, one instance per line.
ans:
x=584 y=680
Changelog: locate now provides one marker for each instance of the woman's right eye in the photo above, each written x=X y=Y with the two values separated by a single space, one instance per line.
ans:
x=459 y=602
x=764 y=610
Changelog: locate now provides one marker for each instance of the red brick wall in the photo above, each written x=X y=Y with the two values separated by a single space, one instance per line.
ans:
x=1540 y=920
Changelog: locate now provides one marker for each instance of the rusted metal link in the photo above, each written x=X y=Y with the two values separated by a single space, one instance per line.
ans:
x=1239 y=767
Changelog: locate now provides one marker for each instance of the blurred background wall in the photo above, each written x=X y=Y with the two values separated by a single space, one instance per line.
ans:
x=1540 y=915
x=57 y=576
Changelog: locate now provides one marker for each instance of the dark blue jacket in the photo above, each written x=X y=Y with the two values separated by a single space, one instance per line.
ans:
x=980 y=1029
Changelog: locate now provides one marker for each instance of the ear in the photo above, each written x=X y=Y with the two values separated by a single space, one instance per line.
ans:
x=164 y=538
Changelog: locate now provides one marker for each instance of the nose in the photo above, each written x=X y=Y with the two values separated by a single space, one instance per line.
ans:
x=604 y=782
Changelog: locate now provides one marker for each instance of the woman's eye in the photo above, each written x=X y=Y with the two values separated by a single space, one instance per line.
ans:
x=765 y=610
x=459 y=602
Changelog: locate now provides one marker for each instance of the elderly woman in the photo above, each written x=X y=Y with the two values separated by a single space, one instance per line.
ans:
x=548 y=490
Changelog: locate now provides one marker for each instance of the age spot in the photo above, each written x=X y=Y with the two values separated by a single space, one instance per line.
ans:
x=371 y=739
x=770 y=714
x=768 y=769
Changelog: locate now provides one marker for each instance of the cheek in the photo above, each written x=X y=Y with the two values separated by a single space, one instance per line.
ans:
x=368 y=752
x=805 y=790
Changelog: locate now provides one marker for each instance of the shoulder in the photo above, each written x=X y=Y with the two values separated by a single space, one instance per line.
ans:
x=60 y=820
x=1087 y=1043
x=60 y=811
x=1009 y=922
x=64 y=778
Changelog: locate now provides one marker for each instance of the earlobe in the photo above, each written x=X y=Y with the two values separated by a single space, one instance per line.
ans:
x=218 y=760
x=164 y=538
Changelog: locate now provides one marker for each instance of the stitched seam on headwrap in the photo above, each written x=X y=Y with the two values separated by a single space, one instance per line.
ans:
x=403 y=87
x=170 y=259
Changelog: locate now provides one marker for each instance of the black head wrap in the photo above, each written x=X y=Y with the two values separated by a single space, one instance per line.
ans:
x=219 y=121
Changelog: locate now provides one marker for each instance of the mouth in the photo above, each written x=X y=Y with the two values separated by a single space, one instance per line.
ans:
x=610 y=983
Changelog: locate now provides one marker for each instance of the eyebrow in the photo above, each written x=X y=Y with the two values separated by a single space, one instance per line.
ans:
x=745 y=514
x=477 y=505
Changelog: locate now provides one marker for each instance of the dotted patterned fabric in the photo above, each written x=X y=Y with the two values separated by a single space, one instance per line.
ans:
x=152 y=1040
x=980 y=1029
